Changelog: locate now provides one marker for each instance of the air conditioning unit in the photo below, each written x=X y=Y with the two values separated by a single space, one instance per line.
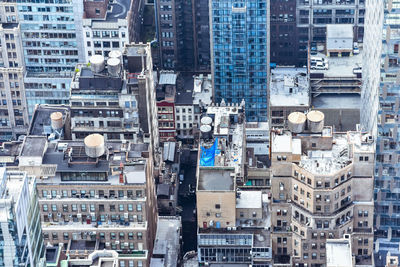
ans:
x=50 y=215
x=79 y=215
x=117 y=242
x=58 y=197
x=126 y=244
x=126 y=215
x=96 y=196
x=233 y=228
x=49 y=197
x=92 y=214
x=107 y=244
x=59 y=214
x=229 y=228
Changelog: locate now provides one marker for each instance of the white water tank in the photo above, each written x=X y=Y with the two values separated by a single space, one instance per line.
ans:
x=94 y=145
x=56 y=120
x=296 y=122
x=114 y=66
x=115 y=54
x=97 y=63
x=206 y=120
x=315 y=121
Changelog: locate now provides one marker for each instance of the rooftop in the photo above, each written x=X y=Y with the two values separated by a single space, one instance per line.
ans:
x=289 y=87
x=167 y=244
x=339 y=31
x=202 y=89
x=338 y=253
x=118 y=9
x=184 y=98
x=249 y=200
x=34 y=146
x=215 y=179
x=337 y=101
x=167 y=77
x=340 y=66
x=41 y=122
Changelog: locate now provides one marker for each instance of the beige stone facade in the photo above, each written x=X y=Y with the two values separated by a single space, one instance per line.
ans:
x=322 y=188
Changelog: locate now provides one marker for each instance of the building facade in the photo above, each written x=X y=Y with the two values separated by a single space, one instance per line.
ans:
x=14 y=112
x=52 y=43
x=106 y=27
x=21 y=232
x=240 y=54
x=381 y=103
x=95 y=195
x=322 y=188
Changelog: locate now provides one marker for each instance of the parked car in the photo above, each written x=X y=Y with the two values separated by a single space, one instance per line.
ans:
x=313 y=48
x=319 y=66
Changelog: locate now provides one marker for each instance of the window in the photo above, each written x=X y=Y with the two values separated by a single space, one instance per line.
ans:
x=139 y=236
x=217 y=206
x=121 y=207
x=139 y=207
x=45 y=207
x=130 y=207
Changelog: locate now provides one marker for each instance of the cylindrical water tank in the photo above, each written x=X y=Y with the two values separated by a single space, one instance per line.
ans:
x=56 y=120
x=315 y=121
x=94 y=145
x=205 y=131
x=97 y=63
x=206 y=120
x=114 y=66
x=296 y=122
x=115 y=54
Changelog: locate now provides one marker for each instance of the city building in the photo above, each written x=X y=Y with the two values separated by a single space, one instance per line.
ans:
x=14 y=119
x=232 y=223
x=95 y=195
x=239 y=34
x=380 y=107
x=285 y=46
x=166 y=96
x=52 y=44
x=109 y=25
x=21 y=233
x=322 y=188
x=167 y=246
x=313 y=17
x=183 y=34
x=184 y=115
x=116 y=98
x=103 y=102
x=336 y=83
x=289 y=91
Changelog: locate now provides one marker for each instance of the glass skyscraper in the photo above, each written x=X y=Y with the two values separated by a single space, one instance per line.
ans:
x=52 y=45
x=381 y=116
x=239 y=51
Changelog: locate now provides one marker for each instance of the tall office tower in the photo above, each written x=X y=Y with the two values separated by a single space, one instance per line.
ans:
x=322 y=188
x=201 y=33
x=285 y=48
x=52 y=45
x=108 y=25
x=240 y=54
x=14 y=119
x=21 y=234
x=312 y=16
x=182 y=30
x=95 y=195
x=381 y=95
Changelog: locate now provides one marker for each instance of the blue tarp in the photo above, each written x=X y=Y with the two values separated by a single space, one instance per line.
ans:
x=207 y=156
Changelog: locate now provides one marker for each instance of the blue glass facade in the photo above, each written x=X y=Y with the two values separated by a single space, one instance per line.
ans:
x=240 y=59
x=387 y=169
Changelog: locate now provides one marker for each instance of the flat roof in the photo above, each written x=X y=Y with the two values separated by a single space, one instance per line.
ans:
x=167 y=243
x=135 y=174
x=337 y=101
x=34 y=146
x=41 y=122
x=338 y=253
x=249 y=200
x=339 y=31
x=289 y=87
x=118 y=9
x=282 y=144
x=340 y=66
x=215 y=179
x=167 y=77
